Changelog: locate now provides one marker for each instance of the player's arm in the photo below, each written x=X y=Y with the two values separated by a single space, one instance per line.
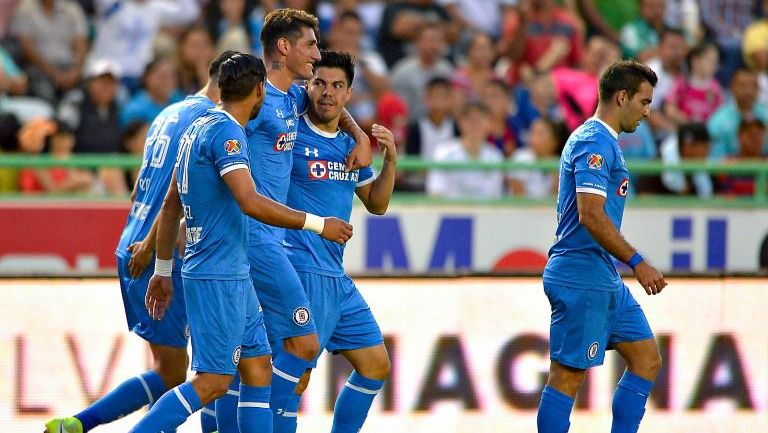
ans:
x=160 y=289
x=593 y=217
x=360 y=156
x=375 y=195
x=255 y=205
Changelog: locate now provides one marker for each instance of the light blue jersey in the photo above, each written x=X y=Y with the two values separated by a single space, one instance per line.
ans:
x=271 y=138
x=160 y=151
x=592 y=162
x=320 y=185
x=211 y=147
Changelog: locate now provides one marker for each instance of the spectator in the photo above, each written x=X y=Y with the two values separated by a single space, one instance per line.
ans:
x=126 y=30
x=402 y=22
x=606 y=17
x=752 y=138
x=470 y=147
x=371 y=80
x=540 y=37
x=539 y=99
x=133 y=137
x=479 y=15
x=755 y=50
x=159 y=91
x=9 y=143
x=234 y=25
x=436 y=125
x=52 y=36
x=546 y=141
x=723 y=126
x=640 y=38
x=691 y=143
x=194 y=54
x=7 y=8
x=12 y=80
x=668 y=67
x=696 y=97
x=410 y=75
x=472 y=77
x=684 y=15
x=502 y=132
x=725 y=21
x=91 y=112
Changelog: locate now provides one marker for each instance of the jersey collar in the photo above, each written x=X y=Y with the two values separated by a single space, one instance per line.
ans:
x=228 y=115
x=319 y=131
x=275 y=87
x=614 y=133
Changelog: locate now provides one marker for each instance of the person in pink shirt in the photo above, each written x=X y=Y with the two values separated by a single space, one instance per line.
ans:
x=694 y=98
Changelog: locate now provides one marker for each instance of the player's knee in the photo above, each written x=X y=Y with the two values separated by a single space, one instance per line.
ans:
x=212 y=386
x=172 y=368
x=378 y=369
x=652 y=364
x=304 y=347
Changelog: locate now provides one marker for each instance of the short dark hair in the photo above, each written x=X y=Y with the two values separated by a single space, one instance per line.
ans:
x=349 y=14
x=337 y=59
x=286 y=23
x=238 y=75
x=698 y=51
x=213 y=68
x=671 y=31
x=625 y=75
x=691 y=133
x=749 y=123
x=438 y=81
x=476 y=106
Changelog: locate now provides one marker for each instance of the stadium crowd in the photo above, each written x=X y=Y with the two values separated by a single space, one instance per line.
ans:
x=455 y=80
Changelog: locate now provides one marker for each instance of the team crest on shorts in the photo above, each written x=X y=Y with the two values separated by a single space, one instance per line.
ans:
x=592 y=351
x=301 y=316
x=236 y=355
x=595 y=161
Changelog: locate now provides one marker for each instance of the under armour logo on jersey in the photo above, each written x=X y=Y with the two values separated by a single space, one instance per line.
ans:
x=279 y=113
x=314 y=152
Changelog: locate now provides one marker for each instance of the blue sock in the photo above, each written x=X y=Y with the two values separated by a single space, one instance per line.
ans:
x=208 y=418
x=286 y=422
x=286 y=371
x=170 y=411
x=128 y=397
x=354 y=402
x=226 y=408
x=629 y=402
x=253 y=413
x=554 y=411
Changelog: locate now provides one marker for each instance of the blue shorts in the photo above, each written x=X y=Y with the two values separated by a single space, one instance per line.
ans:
x=286 y=308
x=226 y=324
x=173 y=330
x=344 y=320
x=587 y=322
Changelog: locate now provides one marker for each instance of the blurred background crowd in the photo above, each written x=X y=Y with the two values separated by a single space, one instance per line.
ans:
x=456 y=80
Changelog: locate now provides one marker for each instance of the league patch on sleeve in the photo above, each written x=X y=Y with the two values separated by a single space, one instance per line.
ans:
x=595 y=161
x=232 y=147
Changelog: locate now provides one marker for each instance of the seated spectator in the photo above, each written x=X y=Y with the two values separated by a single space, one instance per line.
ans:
x=411 y=75
x=691 y=143
x=234 y=25
x=472 y=77
x=725 y=22
x=755 y=50
x=723 y=126
x=545 y=141
x=471 y=146
x=668 y=65
x=539 y=99
x=696 y=97
x=159 y=91
x=752 y=138
x=133 y=138
x=402 y=22
x=496 y=97
x=57 y=179
x=479 y=15
x=52 y=35
x=193 y=55
x=92 y=112
x=126 y=31
x=13 y=81
x=640 y=38
x=603 y=18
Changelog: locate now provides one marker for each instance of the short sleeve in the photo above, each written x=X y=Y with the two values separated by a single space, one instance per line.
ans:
x=229 y=150
x=299 y=95
x=592 y=162
x=366 y=176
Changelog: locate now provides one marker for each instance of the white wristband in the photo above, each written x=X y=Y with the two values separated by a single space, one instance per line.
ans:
x=314 y=223
x=163 y=268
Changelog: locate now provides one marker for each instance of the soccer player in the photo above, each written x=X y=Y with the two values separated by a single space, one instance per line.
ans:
x=212 y=186
x=592 y=309
x=319 y=183
x=289 y=38
x=167 y=338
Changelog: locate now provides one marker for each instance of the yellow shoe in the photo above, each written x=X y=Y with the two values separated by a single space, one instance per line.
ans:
x=64 y=425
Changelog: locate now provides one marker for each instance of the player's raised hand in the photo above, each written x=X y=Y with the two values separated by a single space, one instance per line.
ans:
x=141 y=255
x=159 y=294
x=386 y=141
x=336 y=230
x=650 y=278
x=360 y=156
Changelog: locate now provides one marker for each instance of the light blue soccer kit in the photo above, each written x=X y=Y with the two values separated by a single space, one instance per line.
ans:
x=160 y=153
x=320 y=185
x=224 y=313
x=592 y=309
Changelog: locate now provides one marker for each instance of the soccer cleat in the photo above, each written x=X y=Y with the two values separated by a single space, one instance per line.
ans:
x=64 y=425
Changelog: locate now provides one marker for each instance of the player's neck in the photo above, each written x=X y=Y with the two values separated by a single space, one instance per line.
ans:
x=210 y=91
x=610 y=117
x=240 y=112
x=279 y=75
x=330 y=126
